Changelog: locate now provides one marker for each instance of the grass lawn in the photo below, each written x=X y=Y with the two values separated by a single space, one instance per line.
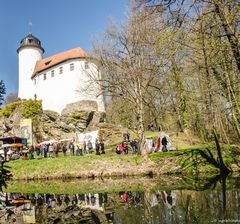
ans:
x=69 y=166
x=112 y=164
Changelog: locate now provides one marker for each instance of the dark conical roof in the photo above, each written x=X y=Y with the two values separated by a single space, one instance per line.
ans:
x=30 y=40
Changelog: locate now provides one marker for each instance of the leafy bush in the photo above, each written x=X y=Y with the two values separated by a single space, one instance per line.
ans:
x=28 y=108
x=8 y=110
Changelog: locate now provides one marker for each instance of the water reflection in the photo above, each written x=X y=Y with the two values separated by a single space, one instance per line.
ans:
x=150 y=206
x=5 y=175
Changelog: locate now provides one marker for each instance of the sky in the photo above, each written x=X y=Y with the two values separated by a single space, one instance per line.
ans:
x=59 y=24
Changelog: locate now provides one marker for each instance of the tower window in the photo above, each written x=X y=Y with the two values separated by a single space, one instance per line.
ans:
x=86 y=65
x=60 y=70
x=52 y=73
x=71 y=66
x=44 y=76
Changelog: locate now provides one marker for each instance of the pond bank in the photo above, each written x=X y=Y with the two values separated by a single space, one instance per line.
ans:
x=74 y=185
x=112 y=165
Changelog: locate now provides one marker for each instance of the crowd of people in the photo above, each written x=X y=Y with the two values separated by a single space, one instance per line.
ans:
x=127 y=144
x=52 y=150
x=86 y=148
x=79 y=149
x=75 y=149
x=124 y=147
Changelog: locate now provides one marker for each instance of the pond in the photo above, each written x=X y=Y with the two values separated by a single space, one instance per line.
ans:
x=165 y=199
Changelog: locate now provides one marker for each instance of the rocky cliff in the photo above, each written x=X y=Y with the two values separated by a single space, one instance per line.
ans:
x=48 y=125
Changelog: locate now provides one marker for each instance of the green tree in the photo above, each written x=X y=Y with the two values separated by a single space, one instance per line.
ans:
x=2 y=91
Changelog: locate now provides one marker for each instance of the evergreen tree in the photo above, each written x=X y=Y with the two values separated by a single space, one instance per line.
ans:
x=2 y=91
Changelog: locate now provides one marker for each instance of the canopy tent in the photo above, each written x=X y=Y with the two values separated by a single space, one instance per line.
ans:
x=159 y=145
x=13 y=139
x=17 y=145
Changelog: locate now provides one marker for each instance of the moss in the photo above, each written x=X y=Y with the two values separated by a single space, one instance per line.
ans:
x=78 y=114
x=72 y=121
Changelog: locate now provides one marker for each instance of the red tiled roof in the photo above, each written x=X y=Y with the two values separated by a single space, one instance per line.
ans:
x=49 y=62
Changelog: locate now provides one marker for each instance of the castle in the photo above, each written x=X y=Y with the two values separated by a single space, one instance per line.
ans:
x=59 y=80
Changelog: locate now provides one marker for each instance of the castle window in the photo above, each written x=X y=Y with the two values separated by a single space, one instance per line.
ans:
x=60 y=70
x=52 y=73
x=71 y=66
x=86 y=65
x=44 y=76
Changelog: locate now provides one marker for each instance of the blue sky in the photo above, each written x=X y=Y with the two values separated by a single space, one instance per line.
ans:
x=59 y=24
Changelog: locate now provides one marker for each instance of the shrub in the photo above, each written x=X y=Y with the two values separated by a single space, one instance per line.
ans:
x=28 y=108
x=8 y=110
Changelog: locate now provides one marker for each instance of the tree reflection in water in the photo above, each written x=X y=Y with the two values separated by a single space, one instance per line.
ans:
x=5 y=175
x=210 y=202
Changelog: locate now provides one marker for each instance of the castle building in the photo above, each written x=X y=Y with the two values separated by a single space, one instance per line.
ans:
x=59 y=80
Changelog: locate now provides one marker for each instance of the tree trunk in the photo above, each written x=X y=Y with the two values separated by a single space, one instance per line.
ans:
x=232 y=39
x=223 y=167
x=140 y=119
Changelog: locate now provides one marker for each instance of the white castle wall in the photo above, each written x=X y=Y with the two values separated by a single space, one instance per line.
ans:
x=69 y=87
x=27 y=59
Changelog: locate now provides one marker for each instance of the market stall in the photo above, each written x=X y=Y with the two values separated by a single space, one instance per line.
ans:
x=11 y=147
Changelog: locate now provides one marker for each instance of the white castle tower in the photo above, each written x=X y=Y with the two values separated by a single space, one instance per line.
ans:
x=61 y=81
x=29 y=52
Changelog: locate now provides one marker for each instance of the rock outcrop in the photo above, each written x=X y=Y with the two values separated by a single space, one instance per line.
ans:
x=48 y=125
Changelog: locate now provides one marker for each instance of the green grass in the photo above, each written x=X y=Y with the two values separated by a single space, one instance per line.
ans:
x=112 y=164
x=191 y=161
x=175 y=153
x=71 y=166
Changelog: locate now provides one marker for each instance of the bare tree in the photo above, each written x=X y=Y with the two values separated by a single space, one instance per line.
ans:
x=130 y=66
x=11 y=98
